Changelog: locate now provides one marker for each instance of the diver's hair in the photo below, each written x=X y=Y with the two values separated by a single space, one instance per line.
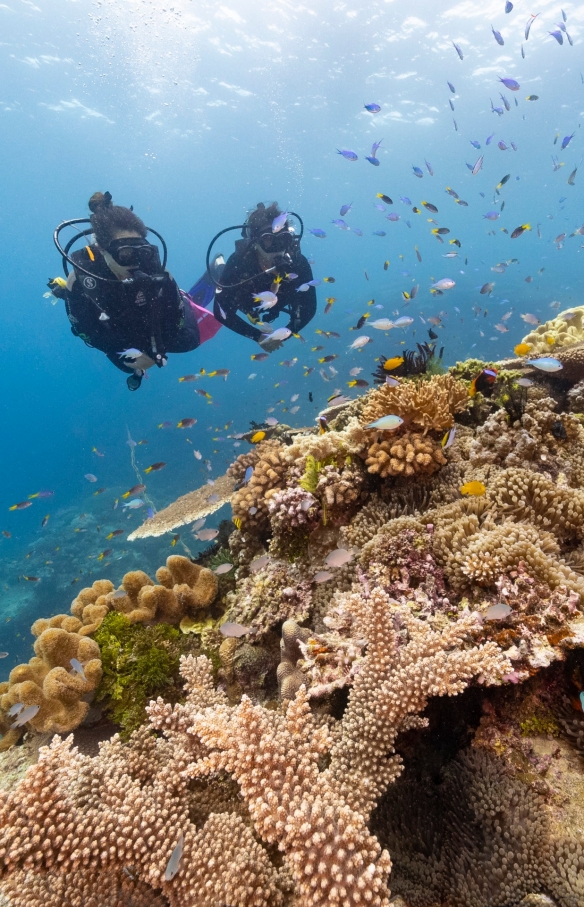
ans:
x=107 y=218
x=260 y=219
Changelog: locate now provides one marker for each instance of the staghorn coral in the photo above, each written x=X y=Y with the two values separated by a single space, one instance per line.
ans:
x=186 y=509
x=430 y=404
x=406 y=455
x=88 y=801
x=275 y=756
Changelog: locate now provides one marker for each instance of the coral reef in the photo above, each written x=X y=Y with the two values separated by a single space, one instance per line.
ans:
x=50 y=682
x=376 y=576
x=184 y=587
x=138 y=663
x=269 y=597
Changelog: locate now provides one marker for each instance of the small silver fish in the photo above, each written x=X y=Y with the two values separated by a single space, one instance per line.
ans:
x=173 y=864
x=78 y=668
x=232 y=630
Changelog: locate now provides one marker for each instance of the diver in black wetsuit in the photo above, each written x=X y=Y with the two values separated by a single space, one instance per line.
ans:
x=264 y=260
x=119 y=297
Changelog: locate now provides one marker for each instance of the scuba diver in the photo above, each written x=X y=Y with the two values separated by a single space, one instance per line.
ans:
x=120 y=298
x=267 y=260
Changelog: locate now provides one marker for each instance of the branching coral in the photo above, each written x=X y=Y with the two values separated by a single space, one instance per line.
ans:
x=100 y=820
x=406 y=455
x=428 y=404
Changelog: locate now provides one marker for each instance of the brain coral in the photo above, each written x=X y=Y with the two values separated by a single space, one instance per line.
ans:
x=427 y=404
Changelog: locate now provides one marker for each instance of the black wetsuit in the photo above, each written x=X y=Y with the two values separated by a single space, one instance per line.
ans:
x=149 y=316
x=301 y=307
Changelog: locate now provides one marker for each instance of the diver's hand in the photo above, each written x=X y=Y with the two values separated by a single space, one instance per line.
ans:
x=269 y=345
x=136 y=360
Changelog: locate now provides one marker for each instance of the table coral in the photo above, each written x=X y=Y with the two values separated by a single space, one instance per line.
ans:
x=408 y=454
x=427 y=404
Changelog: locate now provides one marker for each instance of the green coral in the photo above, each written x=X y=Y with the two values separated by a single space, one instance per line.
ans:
x=139 y=663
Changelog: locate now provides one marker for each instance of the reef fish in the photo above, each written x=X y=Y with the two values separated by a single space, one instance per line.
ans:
x=173 y=864
x=445 y=284
x=222 y=569
x=26 y=715
x=475 y=489
x=259 y=563
x=206 y=535
x=322 y=576
x=498 y=612
x=233 y=630
x=386 y=423
x=338 y=558
x=546 y=364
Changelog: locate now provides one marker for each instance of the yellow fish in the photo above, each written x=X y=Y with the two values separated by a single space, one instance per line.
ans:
x=259 y=436
x=550 y=341
x=395 y=362
x=237 y=522
x=522 y=349
x=475 y=489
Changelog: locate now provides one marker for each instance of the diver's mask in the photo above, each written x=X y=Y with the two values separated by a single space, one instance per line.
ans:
x=136 y=254
x=276 y=249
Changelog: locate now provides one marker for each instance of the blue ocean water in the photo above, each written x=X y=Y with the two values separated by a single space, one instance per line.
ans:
x=193 y=113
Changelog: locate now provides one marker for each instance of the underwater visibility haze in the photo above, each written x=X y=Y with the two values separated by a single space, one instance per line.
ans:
x=435 y=157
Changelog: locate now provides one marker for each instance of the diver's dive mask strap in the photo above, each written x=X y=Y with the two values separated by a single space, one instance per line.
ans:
x=64 y=252
x=243 y=227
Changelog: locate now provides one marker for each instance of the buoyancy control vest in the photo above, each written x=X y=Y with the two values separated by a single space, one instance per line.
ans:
x=145 y=312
